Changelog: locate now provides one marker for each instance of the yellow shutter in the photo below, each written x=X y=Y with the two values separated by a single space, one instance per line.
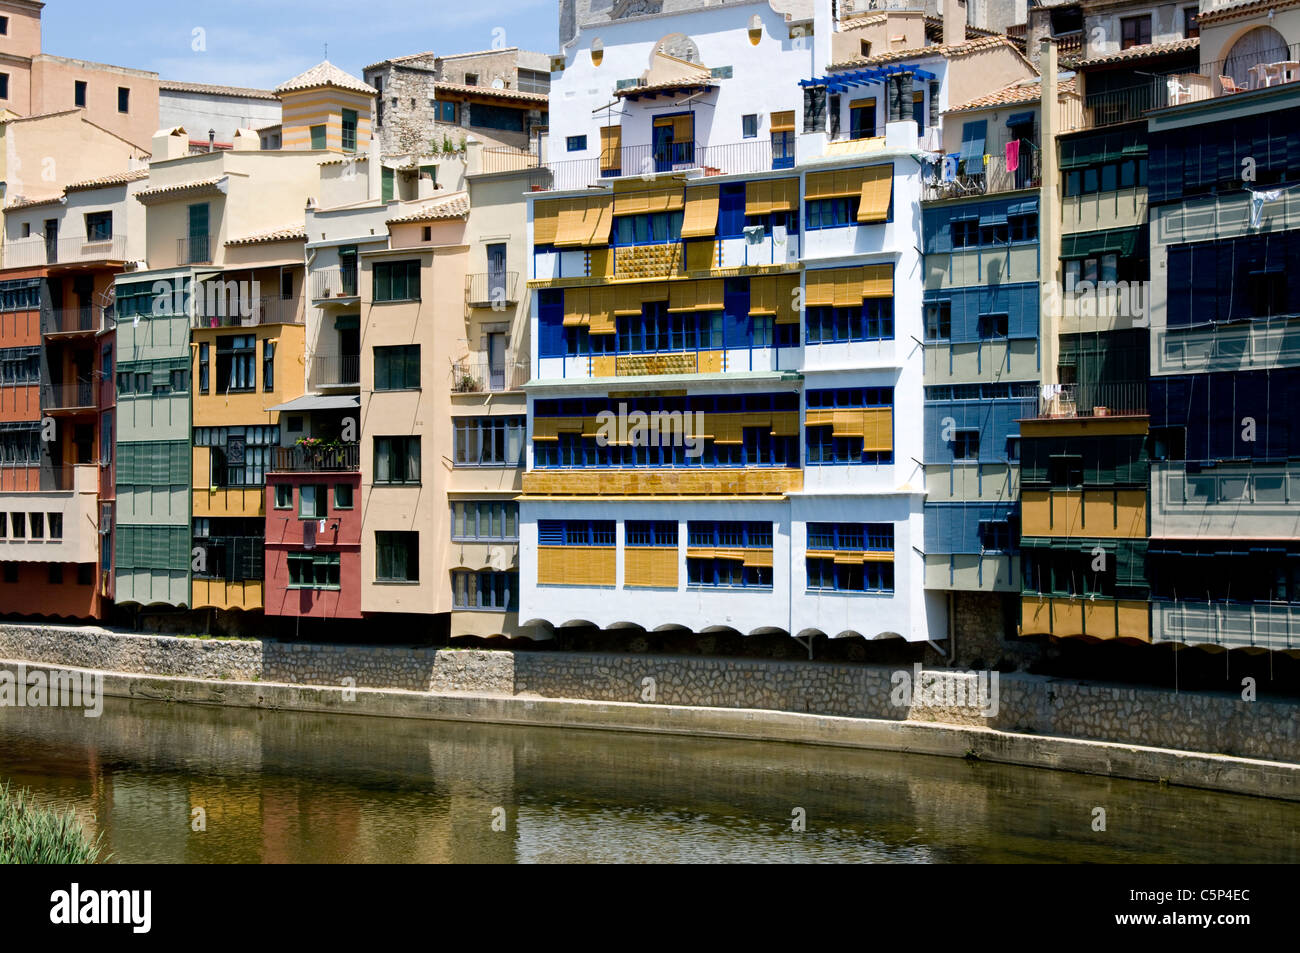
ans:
x=756 y=557
x=877 y=188
x=577 y=306
x=602 y=311
x=762 y=295
x=878 y=428
x=546 y=219
x=758 y=197
x=783 y=121
x=627 y=300
x=584 y=221
x=785 y=195
x=708 y=295
x=726 y=428
x=848 y=288
x=600 y=219
x=701 y=255
x=701 y=218
x=819 y=417
x=601 y=262
x=684 y=128
x=611 y=147
x=681 y=296
x=863 y=103
x=819 y=288
x=785 y=310
x=878 y=281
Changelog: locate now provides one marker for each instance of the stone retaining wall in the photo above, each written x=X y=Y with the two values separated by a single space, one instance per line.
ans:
x=1207 y=722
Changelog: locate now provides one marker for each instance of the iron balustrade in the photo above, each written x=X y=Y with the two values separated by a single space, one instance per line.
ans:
x=68 y=396
x=334 y=282
x=37 y=250
x=1093 y=400
x=319 y=459
x=476 y=377
x=485 y=289
x=337 y=369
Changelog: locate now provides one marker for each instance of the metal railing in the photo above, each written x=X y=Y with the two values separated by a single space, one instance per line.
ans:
x=756 y=155
x=334 y=282
x=508 y=159
x=87 y=318
x=35 y=250
x=78 y=396
x=478 y=377
x=989 y=179
x=1093 y=400
x=485 y=289
x=268 y=309
x=194 y=250
x=337 y=369
x=307 y=459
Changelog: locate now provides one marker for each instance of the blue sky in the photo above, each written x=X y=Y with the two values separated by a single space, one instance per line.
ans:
x=264 y=42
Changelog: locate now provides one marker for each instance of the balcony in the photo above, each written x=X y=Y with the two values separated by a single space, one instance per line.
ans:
x=492 y=289
x=755 y=155
x=59 y=514
x=68 y=397
x=989 y=179
x=35 y=251
x=482 y=377
x=1267 y=625
x=337 y=370
x=1094 y=400
x=319 y=459
x=268 y=309
x=87 y=319
x=194 y=250
x=508 y=159
x=333 y=282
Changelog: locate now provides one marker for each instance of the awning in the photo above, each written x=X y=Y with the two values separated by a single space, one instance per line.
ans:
x=321 y=402
x=1123 y=241
x=1023 y=208
x=993 y=218
x=972 y=138
x=874 y=76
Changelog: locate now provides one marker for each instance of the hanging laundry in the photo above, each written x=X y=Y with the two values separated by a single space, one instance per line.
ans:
x=1257 y=200
x=950 y=168
x=754 y=234
x=1013 y=155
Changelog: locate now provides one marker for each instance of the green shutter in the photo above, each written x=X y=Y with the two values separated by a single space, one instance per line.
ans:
x=318 y=137
x=388 y=185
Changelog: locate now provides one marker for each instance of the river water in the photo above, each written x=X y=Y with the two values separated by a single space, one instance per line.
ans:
x=291 y=787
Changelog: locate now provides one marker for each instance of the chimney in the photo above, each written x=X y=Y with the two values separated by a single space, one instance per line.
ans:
x=212 y=140
x=170 y=144
x=954 y=21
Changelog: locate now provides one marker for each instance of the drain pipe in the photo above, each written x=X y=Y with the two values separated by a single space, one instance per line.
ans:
x=952 y=629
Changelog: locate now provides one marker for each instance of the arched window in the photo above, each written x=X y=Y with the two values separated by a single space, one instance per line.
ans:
x=1263 y=44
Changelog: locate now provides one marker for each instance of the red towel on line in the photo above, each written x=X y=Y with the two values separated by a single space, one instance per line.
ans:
x=1013 y=155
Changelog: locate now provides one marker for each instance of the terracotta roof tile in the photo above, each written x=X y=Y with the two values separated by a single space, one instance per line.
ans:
x=1145 y=51
x=119 y=178
x=287 y=234
x=952 y=49
x=539 y=98
x=1030 y=92
x=246 y=92
x=665 y=87
x=325 y=74
x=455 y=207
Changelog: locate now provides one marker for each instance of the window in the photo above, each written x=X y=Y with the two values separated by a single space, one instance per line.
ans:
x=36 y=525
x=655 y=330
x=397 y=460
x=828 y=575
x=19 y=526
x=864 y=48
x=730 y=534
x=938 y=320
x=484 y=519
x=286 y=285
x=446 y=112
x=1134 y=31
x=1024 y=228
x=862 y=119
x=496 y=117
x=27 y=230
x=123 y=99
x=996 y=535
x=349 y=130
x=397 y=557
x=653 y=229
x=489 y=441
x=4 y=85
x=872 y=321
x=749 y=126
x=203 y=369
x=575 y=532
x=397 y=280
x=990 y=326
x=485 y=591
x=1191 y=26
x=471 y=79
x=651 y=533
x=55 y=522
x=85 y=574
x=397 y=367
x=873 y=447
x=966 y=445
x=342 y=496
x=576 y=143
x=283 y=496
x=318 y=136
x=236 y=357
x=197 y=233
x=426 y=233
x=4 y=26
x=832 y=213
x=1065 y=471
x=4 y=524
x=99 y=226
x=387 y=180
x=268 y=366
x=311 y=501
x=79 y=93
x=313 y=570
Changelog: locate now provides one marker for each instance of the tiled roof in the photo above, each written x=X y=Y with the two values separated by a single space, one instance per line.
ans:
x=1030 y=92
x=1259 y=6
x=32 y=203
x=400 y=59
x=120 y=178
x=539 y=98
x=359 y=157
x=952 y=49
x=666 y=87
x=287 y=234
x=1145 y=51
x=456 y=207
x=245 y=92
x=325 y=74
x=180 y=187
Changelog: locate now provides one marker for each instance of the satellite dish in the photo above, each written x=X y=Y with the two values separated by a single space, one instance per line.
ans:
x=498 y=83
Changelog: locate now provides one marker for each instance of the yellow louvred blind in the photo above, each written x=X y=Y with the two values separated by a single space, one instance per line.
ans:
x=584 y=221
x=611 y=147
x=546 y=218
x=878 y=428
x=684 y=128
x=845 y=183
x=877 y=189
x=877 y=281
x=602 y=311
x=647 y=201
x=783 y=121
x=848 y=288
x=819 y=288
x=757 y=557
x=701 y=255
x=785 y=195
x=695 y=296
x=577 y=307
x=758 y=197
x=785 y=309
x=818 y=417
x=762 y=295
x=701 y=217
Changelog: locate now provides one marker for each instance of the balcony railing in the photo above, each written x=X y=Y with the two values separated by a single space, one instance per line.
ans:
x=1093 y=400
x=49 y=479
x=35 y=251
x=78 y=396
x=508 y=159
x=987 y=179
x=1069 y=45
x=492 y=288
x=87 y=318
x=269 y=309
x=194 y=250
x=477 y=377
x=337 y=370
x=756 y=155
x=302 y=459
x=333 y=282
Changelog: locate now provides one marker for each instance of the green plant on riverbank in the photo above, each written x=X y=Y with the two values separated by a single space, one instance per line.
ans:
x=30 y=834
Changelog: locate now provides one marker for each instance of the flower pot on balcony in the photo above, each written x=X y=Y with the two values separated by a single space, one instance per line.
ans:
x=1101 y=411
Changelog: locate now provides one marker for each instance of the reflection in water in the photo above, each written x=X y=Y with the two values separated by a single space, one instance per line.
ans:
x=290 y=787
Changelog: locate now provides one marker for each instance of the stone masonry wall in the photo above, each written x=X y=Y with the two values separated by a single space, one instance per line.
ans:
x=1207 y=722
